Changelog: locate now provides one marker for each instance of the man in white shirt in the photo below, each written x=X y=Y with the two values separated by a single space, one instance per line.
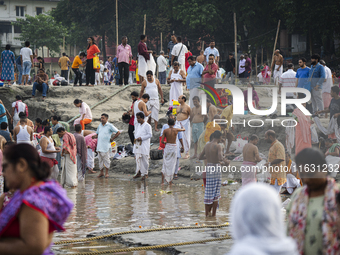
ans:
x=326 y=86
x=162 y=63
x=241 y=67
x=288 y=79
x=212 y=50
x=26 y=61
x=17 y=107
x=85 y=113
x=56 y=75
x=179 y=51
x=141 y=147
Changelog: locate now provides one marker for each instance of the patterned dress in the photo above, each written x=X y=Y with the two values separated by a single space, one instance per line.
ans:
x=7 y=60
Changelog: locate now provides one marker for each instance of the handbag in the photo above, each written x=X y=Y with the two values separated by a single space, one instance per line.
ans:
x=96 y=62
x=176 y=57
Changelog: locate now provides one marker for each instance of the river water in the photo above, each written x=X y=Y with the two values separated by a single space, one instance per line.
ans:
x=101 y=205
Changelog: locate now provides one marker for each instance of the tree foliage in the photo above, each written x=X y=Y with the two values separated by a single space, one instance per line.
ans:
x=42 y=30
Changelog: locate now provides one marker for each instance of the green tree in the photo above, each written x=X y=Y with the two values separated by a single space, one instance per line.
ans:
x=42 y=30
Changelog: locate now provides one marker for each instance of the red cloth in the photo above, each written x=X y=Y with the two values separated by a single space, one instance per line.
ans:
x=70 y=146
x=143 y=50
x=188 y=54
x=91 y=51
x=133 y=66
x=17 y=107
x=50 y=161
x=214 y=67
x=132 y=119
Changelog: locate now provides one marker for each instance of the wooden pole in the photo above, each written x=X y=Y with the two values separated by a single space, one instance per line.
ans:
x=262 y=57
x=235 y=45
x=277 y=34
x=144 y=24
x=116 y=23
x=161 y=41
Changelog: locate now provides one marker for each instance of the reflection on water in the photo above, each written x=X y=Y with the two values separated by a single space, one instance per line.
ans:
x=106 y=204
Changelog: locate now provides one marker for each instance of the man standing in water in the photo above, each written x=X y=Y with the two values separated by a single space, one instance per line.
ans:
x=183 y=119
x=197 y=122
x=250 y=159
x=170 y=151
x=212 y=152
x=278 y=62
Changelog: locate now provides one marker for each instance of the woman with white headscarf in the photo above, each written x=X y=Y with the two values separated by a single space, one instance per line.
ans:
x=257 y=223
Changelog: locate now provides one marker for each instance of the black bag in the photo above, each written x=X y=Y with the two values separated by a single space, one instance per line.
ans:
x=176 y=57
x=126 y=118
x=120 y=148
x=156 y=154
x=129 y=149
x=63 y=83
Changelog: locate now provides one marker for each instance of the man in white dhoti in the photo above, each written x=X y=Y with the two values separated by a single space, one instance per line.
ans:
x=278 y=70
x=143 y=58
x=178 y=53
x=152 y=87
x=140 y=106
x=141 y=147
x=176 y=79
x=69 y=158
x=170 y=151
x=183 y=119
x=293 y=177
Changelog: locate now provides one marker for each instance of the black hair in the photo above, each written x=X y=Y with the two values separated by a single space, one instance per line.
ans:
x=252 y=85
x=290 y=66
x=192 y=58
x=173 y=34
x=329 y=140
x=22 y=115
x=335 y=89
x=55 y=117
x=40 y=58
x=176 y=63
x=46 y=123
x=93 y=42
x=18 y=97
x=140 y=114
x=39 y=169
x=149 y=72
x=211 y=55
x=123 y=37
x=184 y=98
x=77 y=101
x=303 y=59
x=253 y=137
x=171 y=122
x=311 y=157
x=179 y=39
x=41 y=69
x=105 y=69
x=142 y=37
x=82 y=54
x=231 y=54
x=316 y=56
x=46 y=129
x=61 y=129
x=38 y=120
x=8 y=47
x=271 y=133
x=246 y=54
x=217 y=134
x=64 y=54
x=3 y=125
x=196 y=98
x=134 y=93
x=77 y=127
x=27 y=44
x=188 y=47
x=146 y=96
x=105 y=115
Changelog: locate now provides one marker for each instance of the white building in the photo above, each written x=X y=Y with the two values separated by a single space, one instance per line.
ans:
x=10 y=10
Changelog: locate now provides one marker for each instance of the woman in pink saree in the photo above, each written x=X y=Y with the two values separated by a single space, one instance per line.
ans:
x=255 y=98
x=265 y=73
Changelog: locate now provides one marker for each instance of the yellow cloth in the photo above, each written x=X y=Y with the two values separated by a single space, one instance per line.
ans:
x=209 y=129
x=227 y=113
x=277 y=151
x=56 y=139
x=63 y=63
x=76 y=62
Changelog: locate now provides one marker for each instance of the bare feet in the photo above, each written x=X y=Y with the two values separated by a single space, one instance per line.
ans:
x=186 y=156
x=91 y=171
x=106 y=175
x=137 y=175
x=100 y=175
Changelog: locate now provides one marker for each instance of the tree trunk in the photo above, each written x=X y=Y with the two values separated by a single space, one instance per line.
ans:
x=104 y=47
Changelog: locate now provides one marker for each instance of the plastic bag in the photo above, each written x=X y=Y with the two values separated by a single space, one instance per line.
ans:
x=240 y=144
x=315 y=138
x=96 y=62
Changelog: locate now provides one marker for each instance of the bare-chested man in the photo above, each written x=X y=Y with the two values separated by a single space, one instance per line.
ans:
x=212 y=111
x=23 y=133
x=183 y=119
x=140 y=106
x=278 y=61
x=250 y=159
x=200 y=59
x=170 y=151
x=197 y=122
x=212 y=152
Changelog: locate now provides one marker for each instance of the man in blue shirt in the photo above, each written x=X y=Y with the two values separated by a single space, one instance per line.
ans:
x=194 y=78
x=316 y=78
x=104 y=133
x=302 y=75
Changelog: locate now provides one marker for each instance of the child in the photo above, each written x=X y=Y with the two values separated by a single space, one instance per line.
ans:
x=106 y=76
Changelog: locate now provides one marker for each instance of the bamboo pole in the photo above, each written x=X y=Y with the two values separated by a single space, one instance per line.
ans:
x=235 y=45
x=277 y=34
x=161 y=41
x=144 y=24
x=116 y=23
x=262 y=57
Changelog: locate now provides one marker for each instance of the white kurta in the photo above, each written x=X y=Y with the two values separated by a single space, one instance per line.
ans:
x=176 y=87
x=142 y=151
x=169 y=161
x=186 y=134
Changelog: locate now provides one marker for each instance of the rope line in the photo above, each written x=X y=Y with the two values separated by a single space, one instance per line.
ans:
x=136 y=232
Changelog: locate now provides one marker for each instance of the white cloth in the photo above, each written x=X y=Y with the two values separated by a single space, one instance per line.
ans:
x=287 y=79
x=179 y=135
x=291 y=183
x=153 y=106
x=21 y=107
x=142 y=163
x=54 y=172
x=277 y=187
x=135 y=111
x=177 y=52
x=68 y=172
x=97 y=78
x=90 y=158
x=104 y=159
x=241 y=63
x=26 y=54
x=145 y=133
x=169 y=161
x=209 y=51
x=151 y=89
x=144 y=66
x=106 y=77
x=332 y=127
x=85 y=109
x=257 y=223
x=176 y=87
x=333 y=163
x=23 y=135
x=50 y=147
x=162 y=63
x=327 y=85
x=290 y=136
x=277 y=74
x=186 y=134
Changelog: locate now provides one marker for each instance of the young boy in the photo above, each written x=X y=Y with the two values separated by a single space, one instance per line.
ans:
x=106 y=76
